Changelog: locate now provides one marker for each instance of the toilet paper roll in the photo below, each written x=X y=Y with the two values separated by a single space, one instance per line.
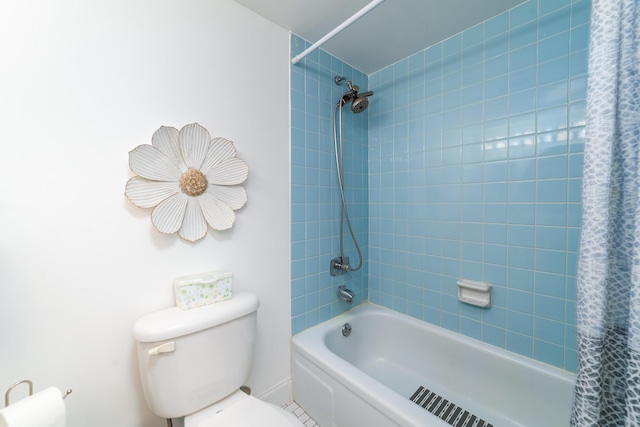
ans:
x=43 y=409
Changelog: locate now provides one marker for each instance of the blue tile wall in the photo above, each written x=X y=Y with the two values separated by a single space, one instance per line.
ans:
x=475 y=156
x=468 y=165
x=315 y=196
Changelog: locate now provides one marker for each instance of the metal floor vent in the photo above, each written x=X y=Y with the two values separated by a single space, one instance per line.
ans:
x=445 y=410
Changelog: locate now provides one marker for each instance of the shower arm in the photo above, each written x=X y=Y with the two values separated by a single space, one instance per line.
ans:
x=340 y=79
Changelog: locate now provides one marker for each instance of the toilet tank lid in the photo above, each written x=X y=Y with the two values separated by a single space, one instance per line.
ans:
x=174 y=322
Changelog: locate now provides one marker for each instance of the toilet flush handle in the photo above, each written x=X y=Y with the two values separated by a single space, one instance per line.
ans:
x=168 y=347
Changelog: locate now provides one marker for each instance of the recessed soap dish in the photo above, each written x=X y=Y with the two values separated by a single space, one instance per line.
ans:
x=474 y=293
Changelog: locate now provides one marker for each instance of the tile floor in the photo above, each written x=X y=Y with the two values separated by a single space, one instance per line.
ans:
x=305 y=419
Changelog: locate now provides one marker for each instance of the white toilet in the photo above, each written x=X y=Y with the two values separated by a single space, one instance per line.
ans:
x=193 y=363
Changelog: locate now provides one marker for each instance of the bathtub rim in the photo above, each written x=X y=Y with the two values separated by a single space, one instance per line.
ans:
x=365 y=307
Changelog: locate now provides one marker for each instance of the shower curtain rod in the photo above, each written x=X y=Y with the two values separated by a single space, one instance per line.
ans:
x=359 y=14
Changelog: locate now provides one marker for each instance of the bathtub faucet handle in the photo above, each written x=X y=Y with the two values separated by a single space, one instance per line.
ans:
x=346 y=294
x=341 y=264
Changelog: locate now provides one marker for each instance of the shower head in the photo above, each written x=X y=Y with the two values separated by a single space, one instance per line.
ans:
x=359 y=102
x=359 y=105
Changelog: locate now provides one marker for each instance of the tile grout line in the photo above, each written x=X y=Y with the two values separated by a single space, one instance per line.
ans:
x=300 y=413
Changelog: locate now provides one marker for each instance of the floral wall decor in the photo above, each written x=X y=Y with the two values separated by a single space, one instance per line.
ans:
x=191 y=181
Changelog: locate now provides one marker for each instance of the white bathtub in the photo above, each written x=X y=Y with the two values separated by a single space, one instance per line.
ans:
x=368 y=378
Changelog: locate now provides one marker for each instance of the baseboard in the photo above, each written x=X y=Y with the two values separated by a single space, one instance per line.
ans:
x=279 y=394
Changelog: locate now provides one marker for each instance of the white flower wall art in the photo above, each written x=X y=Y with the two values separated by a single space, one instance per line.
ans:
x=191 y=181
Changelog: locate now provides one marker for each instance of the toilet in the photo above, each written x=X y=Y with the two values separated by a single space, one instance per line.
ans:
x=193 y=363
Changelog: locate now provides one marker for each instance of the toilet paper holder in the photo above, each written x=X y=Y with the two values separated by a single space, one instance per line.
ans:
x=30 y=383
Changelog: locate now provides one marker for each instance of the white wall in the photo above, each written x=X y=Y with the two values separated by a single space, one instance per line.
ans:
x=81 y=84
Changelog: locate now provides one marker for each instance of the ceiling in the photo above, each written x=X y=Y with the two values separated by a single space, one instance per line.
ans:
x=392 y=31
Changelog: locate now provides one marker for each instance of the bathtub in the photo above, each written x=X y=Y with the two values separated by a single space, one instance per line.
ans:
x=368 y=378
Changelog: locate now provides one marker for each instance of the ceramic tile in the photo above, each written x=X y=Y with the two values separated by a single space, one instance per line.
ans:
x=472 y=168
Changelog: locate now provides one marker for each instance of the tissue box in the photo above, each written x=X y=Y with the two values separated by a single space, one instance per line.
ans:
x=197 y=290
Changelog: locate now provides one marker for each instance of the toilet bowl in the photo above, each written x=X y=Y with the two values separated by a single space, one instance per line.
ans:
x=193 y=363
x=242 y=410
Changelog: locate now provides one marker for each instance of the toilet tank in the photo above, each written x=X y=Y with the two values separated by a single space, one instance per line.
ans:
x=190 y=359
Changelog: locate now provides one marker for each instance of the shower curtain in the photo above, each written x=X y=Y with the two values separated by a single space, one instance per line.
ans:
x=607 y=389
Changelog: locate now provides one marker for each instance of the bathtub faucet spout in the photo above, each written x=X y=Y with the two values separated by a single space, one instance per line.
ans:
x=346 y=294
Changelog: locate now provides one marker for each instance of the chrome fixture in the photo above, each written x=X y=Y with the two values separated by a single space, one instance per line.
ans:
x=30 y=384
x=339 y=266
x=359 y=103
x=346 y=330
x=346 y=294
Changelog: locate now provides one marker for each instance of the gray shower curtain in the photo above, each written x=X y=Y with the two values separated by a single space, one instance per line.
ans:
x=607 y=389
